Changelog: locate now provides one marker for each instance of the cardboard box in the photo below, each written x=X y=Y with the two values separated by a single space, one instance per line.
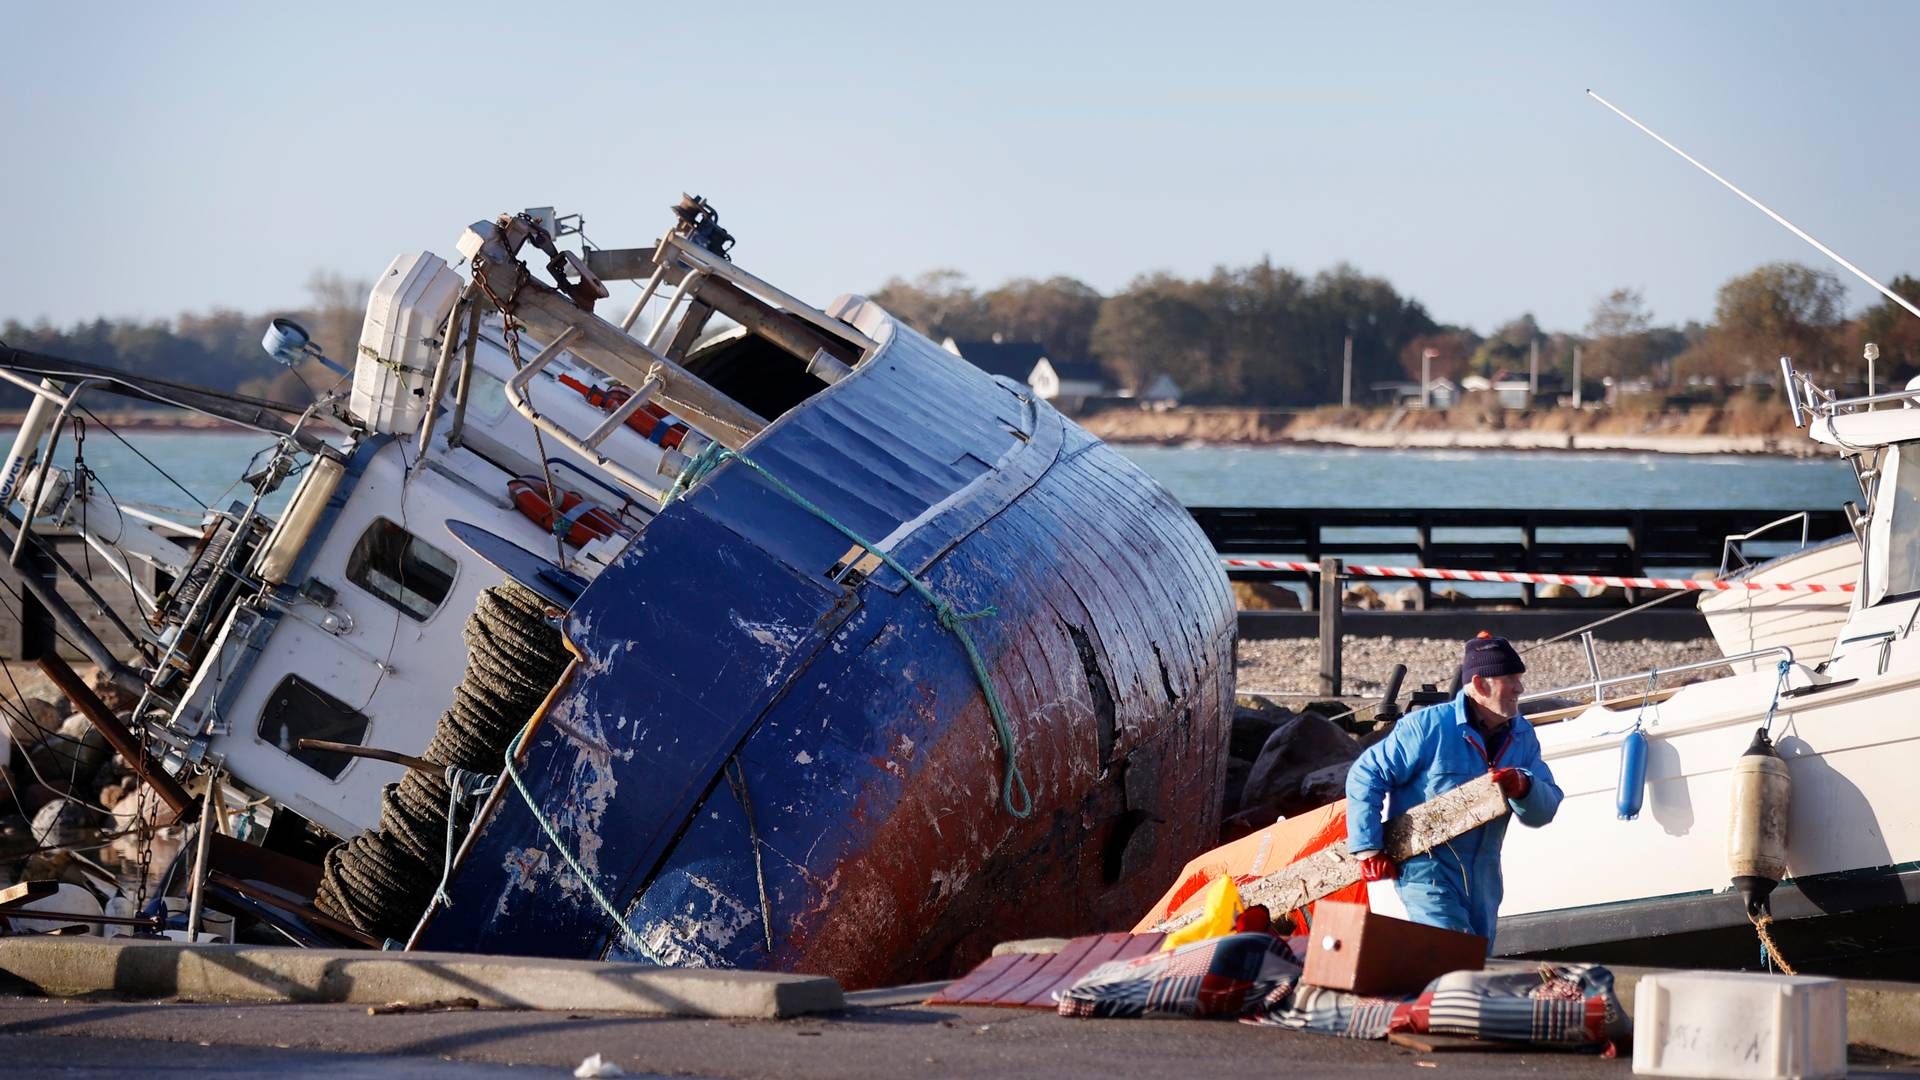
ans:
x=1351 y=948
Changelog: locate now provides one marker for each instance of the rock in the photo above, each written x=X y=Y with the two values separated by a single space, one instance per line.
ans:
x=1303 y=766
x=74 y=752
x=1251 y=726
x=1405 y=598
x=1552 y=590
x=1264 y=596
x=64 y=821
x=1362 y=596
x=42 y=720
x=1329 y=709
x=1237 y=770
x=110 y=694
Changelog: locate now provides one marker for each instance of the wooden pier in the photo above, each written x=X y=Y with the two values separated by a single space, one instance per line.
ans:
x=1638 y=542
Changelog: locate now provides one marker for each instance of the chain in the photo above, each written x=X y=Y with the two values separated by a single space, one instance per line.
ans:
x=80 y=478
x=142 y=822
x=511 y=335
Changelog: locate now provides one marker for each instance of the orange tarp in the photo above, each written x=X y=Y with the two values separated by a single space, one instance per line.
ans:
x=1257 y=855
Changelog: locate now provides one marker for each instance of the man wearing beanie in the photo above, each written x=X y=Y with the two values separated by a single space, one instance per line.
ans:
x=1434 y=750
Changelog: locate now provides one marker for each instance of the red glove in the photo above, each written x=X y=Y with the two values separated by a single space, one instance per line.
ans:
x=1255 y=920
x=1377 y=867
x=1514 y=784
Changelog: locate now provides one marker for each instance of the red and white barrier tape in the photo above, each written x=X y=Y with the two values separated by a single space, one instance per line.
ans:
x=1687 y=584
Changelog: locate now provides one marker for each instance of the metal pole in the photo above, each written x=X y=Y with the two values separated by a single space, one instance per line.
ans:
x=89 y=705
x=1346 y=375
x=1330 y=627
x=1593 y=663
x=31 y=506
x=1426 y=378
x=1533 y=370
x=1576 y=376
x=201 y=840
x=465 y=384
x=449 y=345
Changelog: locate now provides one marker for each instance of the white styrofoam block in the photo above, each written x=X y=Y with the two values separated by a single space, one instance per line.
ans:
x=1744 y=1027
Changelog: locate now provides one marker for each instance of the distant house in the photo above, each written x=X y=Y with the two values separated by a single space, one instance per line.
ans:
x=1010 y=359
x=1445 y=393
x=1060 y=381
x=1066 y=384
x=1512 y=393
x=1160 y=391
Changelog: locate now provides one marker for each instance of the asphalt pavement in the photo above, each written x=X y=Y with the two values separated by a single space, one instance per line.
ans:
x=46 y=1037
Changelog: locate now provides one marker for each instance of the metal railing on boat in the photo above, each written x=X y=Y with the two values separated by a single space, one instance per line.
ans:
x=1599 y=683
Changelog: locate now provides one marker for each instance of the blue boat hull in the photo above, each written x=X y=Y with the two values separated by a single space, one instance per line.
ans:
x=760 y=759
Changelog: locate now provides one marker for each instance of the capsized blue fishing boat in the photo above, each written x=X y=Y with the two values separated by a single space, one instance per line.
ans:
x=922 y=667
x=729 y=632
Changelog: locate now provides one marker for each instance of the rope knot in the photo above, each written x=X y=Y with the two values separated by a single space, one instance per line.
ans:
x=951 y=618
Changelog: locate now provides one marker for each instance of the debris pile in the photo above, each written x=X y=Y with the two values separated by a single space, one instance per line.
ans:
x=1282 y=763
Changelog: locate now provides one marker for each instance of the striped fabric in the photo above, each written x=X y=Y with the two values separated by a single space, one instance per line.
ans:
x=1566 y=1005
x=1224 y=977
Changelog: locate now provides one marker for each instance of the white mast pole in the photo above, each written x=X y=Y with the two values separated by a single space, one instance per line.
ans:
x=1762 y=207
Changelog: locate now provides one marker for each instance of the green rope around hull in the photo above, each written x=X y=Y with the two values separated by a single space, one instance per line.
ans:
x=1014 y=795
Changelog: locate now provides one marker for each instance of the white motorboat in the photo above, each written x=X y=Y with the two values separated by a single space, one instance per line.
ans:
x=1808 y=622
x=1657 y=889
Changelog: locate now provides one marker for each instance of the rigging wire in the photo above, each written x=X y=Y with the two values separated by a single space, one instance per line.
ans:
x=136 y=451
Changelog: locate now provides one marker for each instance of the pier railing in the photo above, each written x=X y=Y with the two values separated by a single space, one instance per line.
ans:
x=1622 y=543
x=1617 y=543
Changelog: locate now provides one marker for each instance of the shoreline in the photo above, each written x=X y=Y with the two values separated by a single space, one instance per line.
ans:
x=1709 y=430
x=1755 y=446
x=1249 y=428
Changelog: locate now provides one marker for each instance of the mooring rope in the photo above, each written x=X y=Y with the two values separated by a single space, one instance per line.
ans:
x=1772 y=951
x=566 y=854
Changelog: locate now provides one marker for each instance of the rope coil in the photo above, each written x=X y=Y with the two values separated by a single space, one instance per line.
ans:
x=383 y=880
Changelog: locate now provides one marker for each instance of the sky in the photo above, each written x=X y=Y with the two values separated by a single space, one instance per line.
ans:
x=169 y=158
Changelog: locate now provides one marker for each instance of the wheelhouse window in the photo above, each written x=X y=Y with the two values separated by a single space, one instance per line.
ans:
x=401 y=569
x=1903 y=527
x=299 y=710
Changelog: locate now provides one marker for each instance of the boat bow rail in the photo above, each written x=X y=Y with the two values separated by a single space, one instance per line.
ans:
x=692 y=258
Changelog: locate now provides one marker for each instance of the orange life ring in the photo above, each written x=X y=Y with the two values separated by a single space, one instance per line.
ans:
x=579 y=522
x=655 y=423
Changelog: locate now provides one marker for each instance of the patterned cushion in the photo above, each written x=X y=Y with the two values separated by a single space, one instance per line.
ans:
x=1568 y=1005
x=1223 y=977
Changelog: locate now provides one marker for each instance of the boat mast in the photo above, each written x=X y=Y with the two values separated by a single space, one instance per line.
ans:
x=1763 y=208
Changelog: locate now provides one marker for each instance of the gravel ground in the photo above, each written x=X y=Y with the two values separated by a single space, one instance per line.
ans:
x=1291 y=666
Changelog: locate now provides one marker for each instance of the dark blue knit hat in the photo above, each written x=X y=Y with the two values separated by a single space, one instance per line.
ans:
x=1489 y=655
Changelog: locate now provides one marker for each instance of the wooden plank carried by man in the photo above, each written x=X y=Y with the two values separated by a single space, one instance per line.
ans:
x=1331 y=869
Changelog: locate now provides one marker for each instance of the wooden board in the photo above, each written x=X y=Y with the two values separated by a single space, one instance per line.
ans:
x=1453 y=1044
x=1419 y=830
x=1029 y=980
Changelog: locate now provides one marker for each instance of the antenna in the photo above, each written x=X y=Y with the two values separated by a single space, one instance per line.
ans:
x=1762 y=207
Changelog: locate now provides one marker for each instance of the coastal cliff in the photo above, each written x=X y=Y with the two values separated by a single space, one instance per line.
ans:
x=1701 y=429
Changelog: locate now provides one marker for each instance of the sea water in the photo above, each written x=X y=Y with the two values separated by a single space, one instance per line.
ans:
x=202 y=467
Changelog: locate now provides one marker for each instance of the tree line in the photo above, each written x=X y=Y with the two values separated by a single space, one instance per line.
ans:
x=1258 y=335
x=1266 y=335
x=219 y=349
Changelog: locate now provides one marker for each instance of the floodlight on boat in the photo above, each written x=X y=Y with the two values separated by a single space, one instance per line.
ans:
x=289 y=343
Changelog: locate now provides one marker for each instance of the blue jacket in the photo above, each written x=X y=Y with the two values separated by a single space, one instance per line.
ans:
x=1435 y=750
